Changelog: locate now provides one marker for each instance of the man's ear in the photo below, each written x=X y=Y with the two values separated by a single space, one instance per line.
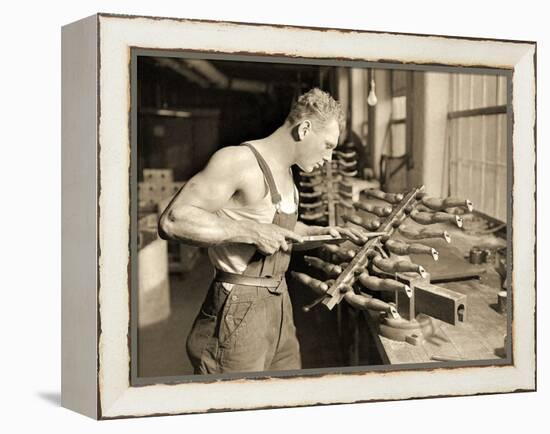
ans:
x=304 y=128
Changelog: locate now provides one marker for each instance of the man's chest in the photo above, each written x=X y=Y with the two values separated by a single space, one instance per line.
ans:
x=257 y=189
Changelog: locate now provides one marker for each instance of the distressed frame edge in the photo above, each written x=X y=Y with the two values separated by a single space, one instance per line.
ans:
x=317 y=28
x=79 y=135
x=111 y=412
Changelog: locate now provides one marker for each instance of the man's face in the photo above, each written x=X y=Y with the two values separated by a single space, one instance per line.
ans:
x=317 y=142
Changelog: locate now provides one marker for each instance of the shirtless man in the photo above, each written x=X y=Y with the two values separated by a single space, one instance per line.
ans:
x=243 y=206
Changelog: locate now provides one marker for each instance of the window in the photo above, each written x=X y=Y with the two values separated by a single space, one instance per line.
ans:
x=477 y=137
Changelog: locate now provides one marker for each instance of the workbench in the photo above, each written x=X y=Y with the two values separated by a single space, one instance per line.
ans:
x=480 y=337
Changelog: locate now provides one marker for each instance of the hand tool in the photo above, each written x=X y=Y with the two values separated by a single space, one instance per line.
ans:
x=426 y=218
x=439 y=204
x=425 y=233
x=314 y=241
x=380 y=211
x=393 y=198
x=331 y=270
x=401 y=248
x=368 y=224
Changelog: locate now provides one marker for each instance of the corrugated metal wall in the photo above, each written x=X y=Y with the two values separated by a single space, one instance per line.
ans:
x=478 y=142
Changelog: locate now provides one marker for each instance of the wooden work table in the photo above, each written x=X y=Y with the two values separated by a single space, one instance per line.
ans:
x=480 y=337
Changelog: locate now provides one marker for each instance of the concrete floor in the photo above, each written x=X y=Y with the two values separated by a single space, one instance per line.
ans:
x=161 y=347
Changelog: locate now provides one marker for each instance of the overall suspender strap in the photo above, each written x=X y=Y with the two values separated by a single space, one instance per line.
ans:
x=275 y=195
x=265 y=271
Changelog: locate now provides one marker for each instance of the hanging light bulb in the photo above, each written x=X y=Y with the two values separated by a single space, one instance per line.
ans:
x=371 y=99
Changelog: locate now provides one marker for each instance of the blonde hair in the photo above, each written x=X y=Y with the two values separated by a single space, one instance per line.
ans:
x=317 y=105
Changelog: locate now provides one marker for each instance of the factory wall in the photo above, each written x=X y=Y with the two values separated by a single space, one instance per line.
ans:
x=382 y=116
x=428 y=122
x=359 y=107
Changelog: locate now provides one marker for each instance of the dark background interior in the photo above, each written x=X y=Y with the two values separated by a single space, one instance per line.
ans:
x=219 y=116
x=202 y=119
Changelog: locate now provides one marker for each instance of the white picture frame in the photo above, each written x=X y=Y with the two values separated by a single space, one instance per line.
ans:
x=96 y=378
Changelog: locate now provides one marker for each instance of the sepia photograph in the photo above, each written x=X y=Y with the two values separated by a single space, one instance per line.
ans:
x=262 y=216
x=304 y=217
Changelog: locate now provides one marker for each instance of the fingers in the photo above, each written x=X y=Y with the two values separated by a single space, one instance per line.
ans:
x=353 y=234
x=280 y=243
x=267 y=250
x=270 y=238
x=350 y=233
x=271 y=247
x=289 y=235
x=277 y=238
x=284 y=245
x=333 y=231
x=359 y=234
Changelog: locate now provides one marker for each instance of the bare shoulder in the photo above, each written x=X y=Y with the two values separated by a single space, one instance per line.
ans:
x=231 y=160
x=226 y=174
x=235 y=162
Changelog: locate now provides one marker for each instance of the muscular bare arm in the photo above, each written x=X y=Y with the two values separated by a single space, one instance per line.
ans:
x=190 y=216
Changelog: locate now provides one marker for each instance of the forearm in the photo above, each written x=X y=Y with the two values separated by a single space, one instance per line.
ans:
x=192 y=225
